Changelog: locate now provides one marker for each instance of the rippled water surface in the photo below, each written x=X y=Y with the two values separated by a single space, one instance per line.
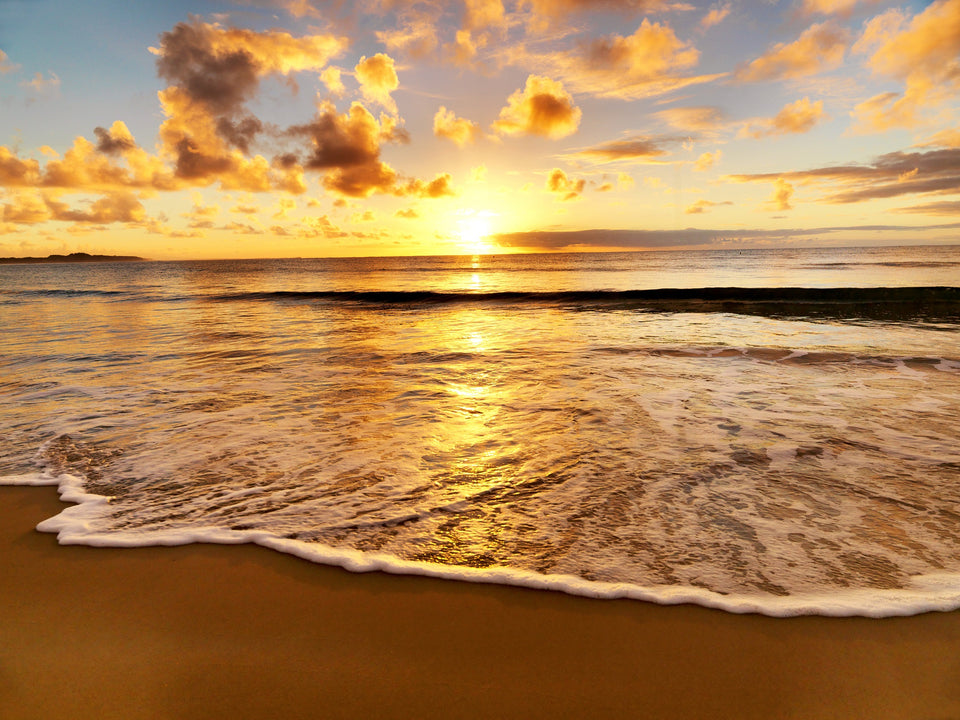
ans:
x=782 y=457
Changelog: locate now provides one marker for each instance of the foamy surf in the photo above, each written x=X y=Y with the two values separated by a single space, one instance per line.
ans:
x=927 y=593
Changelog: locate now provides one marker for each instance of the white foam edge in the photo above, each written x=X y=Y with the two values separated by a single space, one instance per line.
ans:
x=73 y=526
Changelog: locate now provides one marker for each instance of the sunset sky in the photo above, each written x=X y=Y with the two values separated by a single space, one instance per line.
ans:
x=277 y=128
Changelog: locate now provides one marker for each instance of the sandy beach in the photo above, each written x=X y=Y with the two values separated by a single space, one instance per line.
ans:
x=207 y=631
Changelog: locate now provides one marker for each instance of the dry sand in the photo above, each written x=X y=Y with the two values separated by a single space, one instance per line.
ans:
x=208 y=631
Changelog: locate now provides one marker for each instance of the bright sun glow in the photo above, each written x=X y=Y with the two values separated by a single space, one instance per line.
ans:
x=475 y=233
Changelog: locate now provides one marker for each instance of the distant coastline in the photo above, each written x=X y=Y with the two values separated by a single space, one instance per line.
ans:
x=79 y=257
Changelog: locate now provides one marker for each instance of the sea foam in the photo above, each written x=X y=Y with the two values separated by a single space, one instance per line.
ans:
x=927 y=593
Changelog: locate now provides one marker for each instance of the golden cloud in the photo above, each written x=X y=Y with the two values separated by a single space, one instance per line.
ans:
x=928 y=46
x=703 y=119
x=701 y=206
x=26 y=208
x=238 y=228
x=946 y=138
x=15 y=172
x=30 y=207
x=5 y=65
x=199 y=210
x=115 y=163
x=782 y=193
x=706 y=161
x=330 y=77
x=363 y=217
x=479 y=14
x=391 y=129
x=715 y=16
x=113 y=207
x=440 y=186
x=249 y=175
x=831 y=7
x=288 y=178
x=463 y=51
x=322 y=226
x=85 y=166
x=559 y=182
x=644 y=64
x=543 y=108
x=200 y=215
x=544 y=11
x=797 y=117
x=924 y=56
x=284 y=207
x=879 y=30
x=378 y=78
x=459 y=130
x=41 y=84
x=415 y=36
x=820 y=47
x=887 y=111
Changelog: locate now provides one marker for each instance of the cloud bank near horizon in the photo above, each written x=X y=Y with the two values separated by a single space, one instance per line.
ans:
x=686 y=237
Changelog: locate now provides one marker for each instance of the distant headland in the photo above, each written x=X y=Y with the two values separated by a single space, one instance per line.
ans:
x=79 y=257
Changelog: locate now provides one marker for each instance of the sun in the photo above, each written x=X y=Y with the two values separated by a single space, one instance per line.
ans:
x=475 y=234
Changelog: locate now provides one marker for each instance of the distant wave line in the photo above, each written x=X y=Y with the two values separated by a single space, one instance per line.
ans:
x=890 y=263
x=926 y=303
x=708 y=294
x=902 y=304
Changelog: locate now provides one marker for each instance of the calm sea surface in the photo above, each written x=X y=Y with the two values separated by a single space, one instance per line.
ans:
x=670 y=426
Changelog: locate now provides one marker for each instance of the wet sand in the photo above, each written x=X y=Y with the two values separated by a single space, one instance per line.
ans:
x=207 y=631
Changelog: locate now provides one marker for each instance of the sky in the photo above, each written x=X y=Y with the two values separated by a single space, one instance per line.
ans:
x=314 y=128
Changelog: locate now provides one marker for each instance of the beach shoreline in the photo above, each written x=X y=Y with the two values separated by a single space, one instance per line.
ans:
x=205 y=631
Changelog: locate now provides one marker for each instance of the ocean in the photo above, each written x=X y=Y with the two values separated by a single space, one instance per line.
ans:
x=770 y=431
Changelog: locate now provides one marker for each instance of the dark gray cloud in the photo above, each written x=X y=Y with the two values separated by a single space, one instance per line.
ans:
x=240 y=133
x=221 y=80
x=946 y=207
x=340 y=141
x=111 y=143
x=890 y=175
x=630 y=239
x=637 y=147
